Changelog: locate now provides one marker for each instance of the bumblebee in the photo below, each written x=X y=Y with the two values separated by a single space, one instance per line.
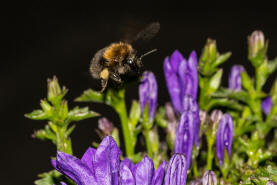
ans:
x=121 y=59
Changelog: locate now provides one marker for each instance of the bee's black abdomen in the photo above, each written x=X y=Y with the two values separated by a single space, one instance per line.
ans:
x=96 y=65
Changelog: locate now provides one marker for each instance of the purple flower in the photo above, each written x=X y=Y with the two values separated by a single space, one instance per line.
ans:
x=209 y=178
x=176 y=172
x=271 y=183
x=99 y=166
x=266 y=105
x=235 y=77
x=190 y=105
x=181 y=78
x=224 y=137
x=185 y=136
x=148 y=92
x=142 y=173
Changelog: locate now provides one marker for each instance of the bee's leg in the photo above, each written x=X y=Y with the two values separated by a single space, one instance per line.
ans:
x=104 y=83
x=115 y=77
x=104 y=75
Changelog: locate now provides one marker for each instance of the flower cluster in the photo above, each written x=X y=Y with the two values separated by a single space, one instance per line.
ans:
x=206 y=135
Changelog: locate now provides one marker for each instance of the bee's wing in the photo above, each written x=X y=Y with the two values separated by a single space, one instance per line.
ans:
x=147 y=33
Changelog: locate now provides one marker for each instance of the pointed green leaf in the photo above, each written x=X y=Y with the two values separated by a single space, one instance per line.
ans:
x=78 y=114
x=91 y=96
x=215 y=81
x=37 y=115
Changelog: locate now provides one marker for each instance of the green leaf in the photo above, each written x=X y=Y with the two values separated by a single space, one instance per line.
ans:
x=78 y=114
x=221 y=59
x=224 y=103
x=247 y=82
x=91 y=96
x=45 y=134
x=49 y=178
x=37 y=115
x=214 y=82
x=236 y=95
x=160 y=118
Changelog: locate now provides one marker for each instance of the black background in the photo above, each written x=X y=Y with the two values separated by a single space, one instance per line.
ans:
x=40 y=39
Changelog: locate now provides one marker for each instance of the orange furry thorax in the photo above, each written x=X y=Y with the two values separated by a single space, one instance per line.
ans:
x=117 y=52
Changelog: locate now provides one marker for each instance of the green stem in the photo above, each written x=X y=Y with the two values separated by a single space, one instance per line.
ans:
x=210 y=155
x=148 y=142
x=63 y=142
x=122 y=112
x=195 y=169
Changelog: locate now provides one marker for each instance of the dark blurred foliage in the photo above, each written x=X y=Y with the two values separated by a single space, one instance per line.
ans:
x=40 y=39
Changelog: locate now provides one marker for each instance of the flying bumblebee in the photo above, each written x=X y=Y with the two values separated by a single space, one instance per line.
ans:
x=121 y=58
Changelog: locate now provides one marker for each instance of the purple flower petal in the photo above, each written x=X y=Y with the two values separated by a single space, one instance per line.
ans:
x=159 y=174
x=88 y=158
x=266 y=105
x=144 y=172
x=176 y=173
x=126 y=176
x=129 y=164
x=175 y=60
x=192 y=66
x=106 y=162
x=224 y=137
x=181 y=78
x=185 y=136
x=235 y=77
x=75 y=169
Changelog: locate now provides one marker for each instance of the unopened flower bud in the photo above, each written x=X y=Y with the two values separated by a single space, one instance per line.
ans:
x=169 y=112
x=235 y=77
x=266 y=105
x=148 y=93
x=216 y=116
x=176 y=172
x=209 y=178
x=224 y=137
x=105 y=126
x=54 y=90
x=195 y=182
x=256 y=42
x=203 y=115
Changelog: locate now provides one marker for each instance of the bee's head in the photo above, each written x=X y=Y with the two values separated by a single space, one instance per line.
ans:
x=135 y=62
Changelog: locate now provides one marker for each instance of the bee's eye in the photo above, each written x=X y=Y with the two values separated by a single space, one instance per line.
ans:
x=129 y=61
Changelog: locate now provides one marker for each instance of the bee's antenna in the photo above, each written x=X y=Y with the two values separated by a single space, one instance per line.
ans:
x=149 y=52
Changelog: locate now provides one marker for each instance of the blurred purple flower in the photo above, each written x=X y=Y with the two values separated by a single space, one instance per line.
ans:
x=99 y=166
x=148 y=92
x=105 y=126
x=176 y=172
x=143 y=173
x=271 y=183
x=266 y=105
x=209 y=178
x=185 y=136
x=181 y=78
x=224 y=137
x=235 y=77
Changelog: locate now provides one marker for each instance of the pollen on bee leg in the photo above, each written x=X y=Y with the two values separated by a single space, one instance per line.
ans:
x=104 y=74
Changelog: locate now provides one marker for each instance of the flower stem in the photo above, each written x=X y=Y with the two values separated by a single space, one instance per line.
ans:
x=120 y=108
x=195 y=169
x=210 y=155
x=148 y=142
